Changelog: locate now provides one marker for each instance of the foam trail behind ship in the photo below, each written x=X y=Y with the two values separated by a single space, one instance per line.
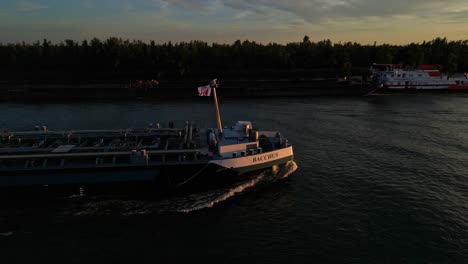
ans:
x=209 y=199
x=188 y=203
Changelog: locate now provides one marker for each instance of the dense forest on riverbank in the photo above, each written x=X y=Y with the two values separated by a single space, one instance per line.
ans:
x=119 y=60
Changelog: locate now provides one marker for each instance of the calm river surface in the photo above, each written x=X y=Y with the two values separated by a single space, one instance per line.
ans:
x=380 y=179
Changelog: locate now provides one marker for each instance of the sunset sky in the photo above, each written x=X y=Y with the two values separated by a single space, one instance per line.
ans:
x=224 y=21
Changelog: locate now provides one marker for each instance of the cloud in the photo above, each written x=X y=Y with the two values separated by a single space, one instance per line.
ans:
x=260 y=20
x=193 y=5
x=317 y=10
x=320 y=11
x=242 y=14
x=26 y=6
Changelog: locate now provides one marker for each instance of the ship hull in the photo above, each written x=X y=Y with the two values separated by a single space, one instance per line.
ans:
x=144 y=180
x=438 y=90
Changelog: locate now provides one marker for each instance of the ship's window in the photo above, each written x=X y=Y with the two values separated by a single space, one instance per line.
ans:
x=457 y=82
x=404 y=75
x=419 y=75
x=399 y=75
x=393 y=75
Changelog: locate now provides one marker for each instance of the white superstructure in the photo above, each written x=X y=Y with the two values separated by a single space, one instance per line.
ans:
x=425 y=77
x=243 y=148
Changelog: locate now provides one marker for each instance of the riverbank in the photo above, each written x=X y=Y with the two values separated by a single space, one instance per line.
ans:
x=182 y=89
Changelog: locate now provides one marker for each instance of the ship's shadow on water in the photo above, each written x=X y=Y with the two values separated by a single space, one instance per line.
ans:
x=126 y=206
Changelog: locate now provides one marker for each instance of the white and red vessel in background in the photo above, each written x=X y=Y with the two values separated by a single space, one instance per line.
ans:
x=425 y=77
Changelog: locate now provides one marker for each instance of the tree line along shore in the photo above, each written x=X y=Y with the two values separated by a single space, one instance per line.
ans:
x=121 y=60
x=115 y=62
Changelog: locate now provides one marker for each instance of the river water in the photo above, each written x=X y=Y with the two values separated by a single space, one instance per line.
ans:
x=379 y=179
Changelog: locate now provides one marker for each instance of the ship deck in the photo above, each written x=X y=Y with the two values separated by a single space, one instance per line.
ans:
x=100 y=148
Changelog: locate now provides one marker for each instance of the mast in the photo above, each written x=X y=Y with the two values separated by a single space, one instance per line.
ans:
x=214 y=84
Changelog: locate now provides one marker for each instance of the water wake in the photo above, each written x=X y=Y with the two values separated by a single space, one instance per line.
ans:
x=187 y=203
